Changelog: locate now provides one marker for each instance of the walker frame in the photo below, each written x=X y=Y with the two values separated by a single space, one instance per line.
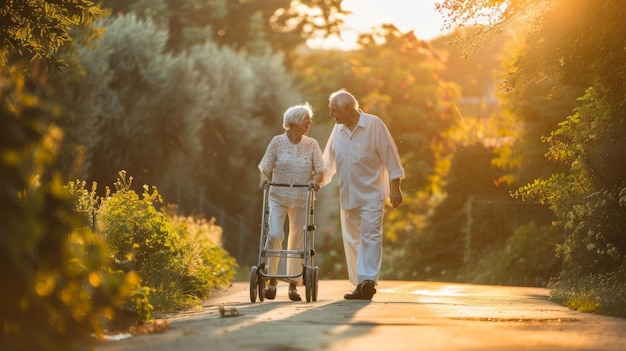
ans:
x=259 y=273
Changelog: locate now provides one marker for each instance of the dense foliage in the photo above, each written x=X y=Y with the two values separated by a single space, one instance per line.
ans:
x=60 y=288
x=181 y=122
x=185 y=94
x=576 y=70
x=36 y=29
x=63 y=286
x=179 y=260
x=252 y=26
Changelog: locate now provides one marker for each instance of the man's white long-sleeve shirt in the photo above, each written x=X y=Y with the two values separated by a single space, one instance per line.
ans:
x=363 y=159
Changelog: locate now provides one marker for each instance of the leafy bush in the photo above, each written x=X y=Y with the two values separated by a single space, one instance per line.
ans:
x=204 y=252
x=587 y=198
x=178 y=259
x=589 y=201
x=57 y=292
x=597 y=293
x=135 y=231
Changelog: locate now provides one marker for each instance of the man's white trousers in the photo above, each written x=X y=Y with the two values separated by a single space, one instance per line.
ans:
x=362 y=231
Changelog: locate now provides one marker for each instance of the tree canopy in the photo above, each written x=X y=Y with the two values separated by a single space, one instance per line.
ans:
x=282 y=25
x=36 y=29
x=566 y=91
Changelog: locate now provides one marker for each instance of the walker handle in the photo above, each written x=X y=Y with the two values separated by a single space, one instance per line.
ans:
x=308 y=186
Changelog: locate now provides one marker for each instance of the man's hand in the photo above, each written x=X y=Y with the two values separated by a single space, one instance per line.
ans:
x=395 y=194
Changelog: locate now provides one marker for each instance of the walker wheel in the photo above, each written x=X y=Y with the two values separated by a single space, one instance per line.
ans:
x=253 y=284
x=315 y=282
x=309 y=283
x=260 y=286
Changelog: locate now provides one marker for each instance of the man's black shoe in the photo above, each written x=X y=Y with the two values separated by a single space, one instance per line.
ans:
x=363 y=291
x=368 y=289
x=355 y=295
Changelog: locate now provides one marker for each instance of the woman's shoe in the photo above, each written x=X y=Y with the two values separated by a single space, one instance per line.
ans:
x=294 y=296
x=270 y=292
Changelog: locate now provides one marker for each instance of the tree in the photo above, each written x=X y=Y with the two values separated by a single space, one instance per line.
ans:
x=567 y=57
x=475 y=73
x=181 y=122
x=35 y=29
x=285 y=24
x=585 y=141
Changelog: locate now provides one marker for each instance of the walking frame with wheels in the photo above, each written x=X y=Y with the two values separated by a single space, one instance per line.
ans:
x=259 y=273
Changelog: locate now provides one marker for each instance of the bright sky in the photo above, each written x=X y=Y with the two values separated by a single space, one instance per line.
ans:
x=418 y=15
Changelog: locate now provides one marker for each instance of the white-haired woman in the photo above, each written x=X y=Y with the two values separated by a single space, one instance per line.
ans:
x=290 y=158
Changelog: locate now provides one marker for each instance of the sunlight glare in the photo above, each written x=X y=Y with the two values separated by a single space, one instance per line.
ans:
x=443 y=291
x=419 y=16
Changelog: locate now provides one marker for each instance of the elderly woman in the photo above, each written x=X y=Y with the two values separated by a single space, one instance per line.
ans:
x=290 y=158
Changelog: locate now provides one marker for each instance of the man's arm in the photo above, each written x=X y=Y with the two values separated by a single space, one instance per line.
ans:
x=328 y=157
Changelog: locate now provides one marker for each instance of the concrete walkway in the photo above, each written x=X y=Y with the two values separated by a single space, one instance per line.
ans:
x=402 y=316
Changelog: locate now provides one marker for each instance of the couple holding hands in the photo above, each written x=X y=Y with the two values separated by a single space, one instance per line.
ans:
x=364 y=156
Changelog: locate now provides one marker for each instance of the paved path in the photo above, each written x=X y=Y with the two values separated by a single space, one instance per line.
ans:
x=402 y=316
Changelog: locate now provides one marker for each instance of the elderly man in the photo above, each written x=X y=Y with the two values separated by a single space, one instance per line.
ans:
x=361 y=151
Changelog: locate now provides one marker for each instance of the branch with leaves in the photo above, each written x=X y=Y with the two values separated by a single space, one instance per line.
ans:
x=35 y=29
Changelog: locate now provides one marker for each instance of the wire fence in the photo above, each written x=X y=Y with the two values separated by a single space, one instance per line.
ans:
x=490 y=221
x=235 y=231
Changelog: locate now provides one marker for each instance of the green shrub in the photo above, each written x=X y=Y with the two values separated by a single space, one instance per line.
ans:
x=112 y=279
x=596 y=293
x=178 y=259
x=136 y=232
x=140 y=299
x=205 y=252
